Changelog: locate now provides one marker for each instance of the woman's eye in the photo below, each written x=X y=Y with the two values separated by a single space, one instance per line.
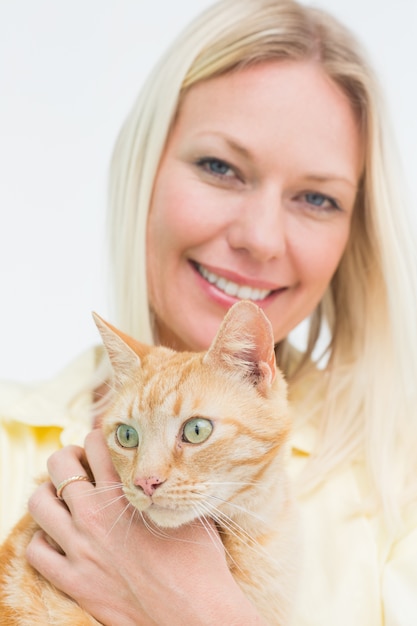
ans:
x=197 y=430
x=127 y=436
x=321 y=201
x=216 y=167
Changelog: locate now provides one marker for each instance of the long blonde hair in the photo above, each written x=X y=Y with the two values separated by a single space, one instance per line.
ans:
x=370 y=379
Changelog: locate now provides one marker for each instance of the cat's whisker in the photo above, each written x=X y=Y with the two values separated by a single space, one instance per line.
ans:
x=243 y=483
x=135 y=513
x=231 y=525
x=203 y=514
x=210 y=530
x=108 y=484
x=235 y=528
x=96 y=491
x=101 y=490
x=112 y=502
x=156 y=531
x=240 y=533
x=118 y=518
x=232 y=504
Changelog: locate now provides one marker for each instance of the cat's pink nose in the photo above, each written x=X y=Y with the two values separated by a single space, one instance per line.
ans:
x=149 y=484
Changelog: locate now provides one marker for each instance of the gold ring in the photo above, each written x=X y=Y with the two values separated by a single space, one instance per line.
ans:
x=66 y=482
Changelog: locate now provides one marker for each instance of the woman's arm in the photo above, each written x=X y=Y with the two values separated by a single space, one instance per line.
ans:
x=114 y=566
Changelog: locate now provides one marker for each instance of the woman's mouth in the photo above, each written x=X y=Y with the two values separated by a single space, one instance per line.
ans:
x=230 y=288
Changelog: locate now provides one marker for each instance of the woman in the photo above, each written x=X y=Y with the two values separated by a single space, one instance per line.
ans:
x=255 y=165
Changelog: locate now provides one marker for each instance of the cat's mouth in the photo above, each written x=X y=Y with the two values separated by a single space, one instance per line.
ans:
x=158 y=510
x=231 y=288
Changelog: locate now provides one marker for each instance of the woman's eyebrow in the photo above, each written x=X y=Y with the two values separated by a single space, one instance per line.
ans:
x=232 y=143
x=331 y=177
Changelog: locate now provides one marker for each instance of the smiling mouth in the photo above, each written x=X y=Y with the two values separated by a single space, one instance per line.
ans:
x=242 y=292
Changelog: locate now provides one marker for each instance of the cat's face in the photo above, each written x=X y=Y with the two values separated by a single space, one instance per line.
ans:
x=196 y=435
x=185 y=438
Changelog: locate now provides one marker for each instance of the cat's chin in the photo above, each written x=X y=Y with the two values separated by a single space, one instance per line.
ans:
x=169 y=518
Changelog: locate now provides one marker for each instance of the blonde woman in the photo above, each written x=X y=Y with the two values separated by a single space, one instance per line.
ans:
x=256 y=163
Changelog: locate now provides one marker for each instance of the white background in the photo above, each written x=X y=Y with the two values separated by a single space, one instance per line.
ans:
x=69 y=72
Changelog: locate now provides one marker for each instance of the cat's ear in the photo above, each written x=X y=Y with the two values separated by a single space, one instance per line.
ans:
x=245 y=343
x=124 y=352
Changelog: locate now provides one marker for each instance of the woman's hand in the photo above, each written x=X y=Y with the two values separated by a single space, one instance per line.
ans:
x=95 y=549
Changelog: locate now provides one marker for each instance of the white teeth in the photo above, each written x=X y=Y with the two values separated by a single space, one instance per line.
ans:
x=231 y=289
x=246 y=292
x=243 y=292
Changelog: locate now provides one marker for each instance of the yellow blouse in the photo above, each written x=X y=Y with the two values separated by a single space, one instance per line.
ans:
x=353 y=573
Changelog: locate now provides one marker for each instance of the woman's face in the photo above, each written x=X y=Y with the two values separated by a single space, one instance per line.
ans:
x=253 y=200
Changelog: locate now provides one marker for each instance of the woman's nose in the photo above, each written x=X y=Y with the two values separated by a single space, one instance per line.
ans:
x=259 y=226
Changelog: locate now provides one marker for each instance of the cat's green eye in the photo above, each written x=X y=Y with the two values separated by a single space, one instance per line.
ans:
x=127 y=436
x=197 y=430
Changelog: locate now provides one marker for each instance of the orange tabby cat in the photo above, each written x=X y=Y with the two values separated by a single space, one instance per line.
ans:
x=193 y=435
